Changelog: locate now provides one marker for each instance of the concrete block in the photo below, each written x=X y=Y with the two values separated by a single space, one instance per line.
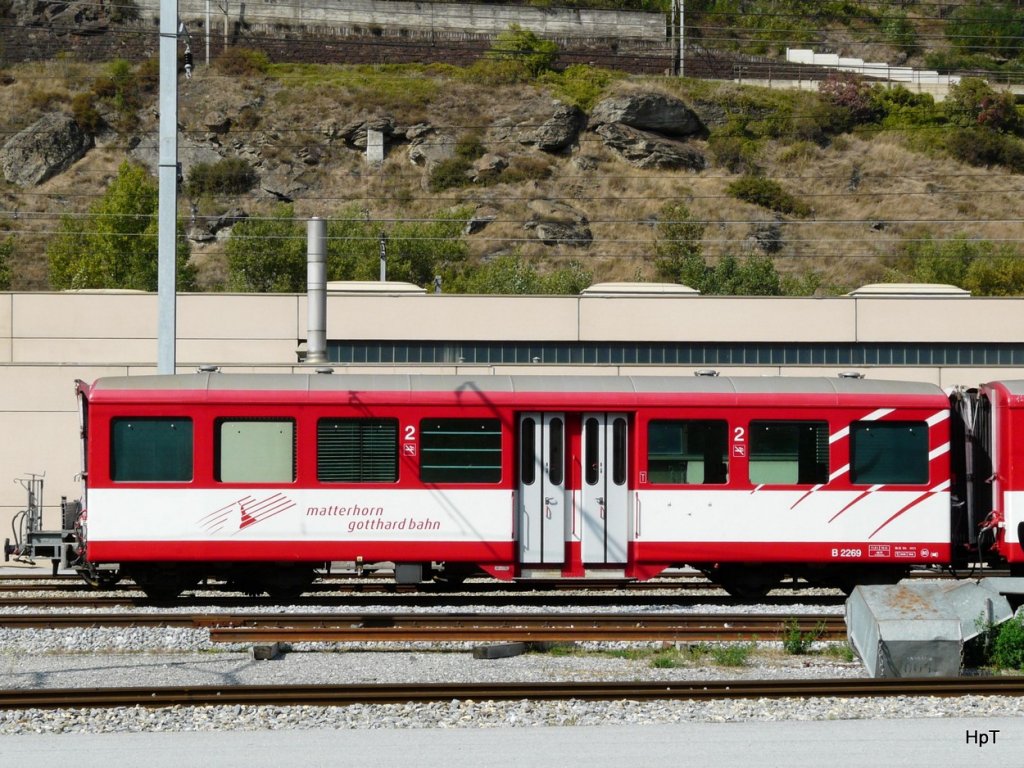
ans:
x=918 y=628
x=499 y=651
x=267 y=651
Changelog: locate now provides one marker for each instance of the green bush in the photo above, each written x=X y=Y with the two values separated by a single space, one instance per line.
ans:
x=767 y=194
x=452 y=173
x=123 y=10
x=241 y=62
x=6 y=251
x=581 y=84
x=1008 y=646
x=797 y=642
x=732 y=654
x=973 y=102
x=85 y=114
x=522 y=45
x=737 y=154
x=990 y=27
x=982 y=148
x=230 y=176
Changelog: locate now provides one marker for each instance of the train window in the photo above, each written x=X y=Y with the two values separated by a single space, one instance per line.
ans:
x=688 y=452
x=789 y=452
x=619 y=452
x=888 y=452
x=556 y=449
x=591 y=443
x=255 y=451
x=528 y=451
x=357 y=450
x=460 y=450
x=151 y=450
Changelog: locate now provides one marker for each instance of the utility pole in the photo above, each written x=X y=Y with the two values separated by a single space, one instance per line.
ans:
x=383 y=257
x=206 y=29
x=682 y=38
x=167 y=221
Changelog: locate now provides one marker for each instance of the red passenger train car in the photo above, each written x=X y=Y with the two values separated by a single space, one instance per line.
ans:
x=988 y=471
x=263 y=480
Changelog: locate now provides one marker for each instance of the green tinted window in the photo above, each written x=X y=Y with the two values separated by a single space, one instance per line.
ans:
x=151 y=450
x=357 y=450
x=889 y=452
x=255 y=451
x=690 y=452
x=460 y=450
x=788 y=452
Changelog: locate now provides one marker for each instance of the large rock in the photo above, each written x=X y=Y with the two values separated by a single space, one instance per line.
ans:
x=556 y=223
x=354 y=133
x=649 y=112
x=429 y=148
x=47 y=147
x=285 y=182
x=83 y=17
x=647 y=150
x=547 y=124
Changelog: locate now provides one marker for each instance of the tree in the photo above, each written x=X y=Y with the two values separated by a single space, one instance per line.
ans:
x=990 y=27
x=753 y=276
x=522 y=45
x=679 y=251
x=268 y=255
x=980 y=266
x=511 y=275
x=6 y=251
x=115 y=245
x=973 y=102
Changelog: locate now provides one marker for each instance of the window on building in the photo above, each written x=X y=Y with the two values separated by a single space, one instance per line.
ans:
x=151 y=449
x=255 y=451
x=357 y=450
x=460 y=450
x=889 y=452
x=687 y=452
x=788 y=452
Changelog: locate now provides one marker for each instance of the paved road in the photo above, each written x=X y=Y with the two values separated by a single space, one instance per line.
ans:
x=842 y=744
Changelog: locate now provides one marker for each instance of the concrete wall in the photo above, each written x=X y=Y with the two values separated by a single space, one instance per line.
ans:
x=444 y=17
x=48 y=340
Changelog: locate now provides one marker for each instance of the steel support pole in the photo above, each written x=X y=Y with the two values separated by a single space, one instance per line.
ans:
x=167 y=219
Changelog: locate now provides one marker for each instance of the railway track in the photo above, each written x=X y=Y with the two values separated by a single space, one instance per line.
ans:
x=355 y=627
x=463 y=600
x=341 y=695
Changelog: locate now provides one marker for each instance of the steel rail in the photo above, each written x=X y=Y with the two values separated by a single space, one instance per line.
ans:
x=340 y=695
x=433 y=600
x=350 y=627
x=521 y=628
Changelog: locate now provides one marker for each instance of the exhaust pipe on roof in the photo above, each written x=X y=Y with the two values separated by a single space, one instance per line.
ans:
x=316 y=289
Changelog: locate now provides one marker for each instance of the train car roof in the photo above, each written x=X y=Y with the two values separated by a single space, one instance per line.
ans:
x=1012 y=386
x=344 y=382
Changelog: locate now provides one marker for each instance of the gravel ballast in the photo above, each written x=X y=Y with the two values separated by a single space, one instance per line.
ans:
x=175 y=657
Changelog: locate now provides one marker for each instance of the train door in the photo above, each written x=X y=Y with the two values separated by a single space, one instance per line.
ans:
x=542 y=499
x=605 y=494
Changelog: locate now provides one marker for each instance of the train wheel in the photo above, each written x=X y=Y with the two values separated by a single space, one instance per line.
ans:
x=746 y=583
x=287 y=583
x=163 y=584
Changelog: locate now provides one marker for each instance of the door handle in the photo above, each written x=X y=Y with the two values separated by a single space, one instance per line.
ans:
x=600 y=504
x=550 y=500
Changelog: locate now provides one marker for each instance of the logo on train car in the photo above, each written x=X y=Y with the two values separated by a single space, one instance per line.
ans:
x=245 y=512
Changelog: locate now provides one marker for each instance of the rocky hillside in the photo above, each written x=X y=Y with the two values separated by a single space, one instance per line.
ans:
x=575 y=167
